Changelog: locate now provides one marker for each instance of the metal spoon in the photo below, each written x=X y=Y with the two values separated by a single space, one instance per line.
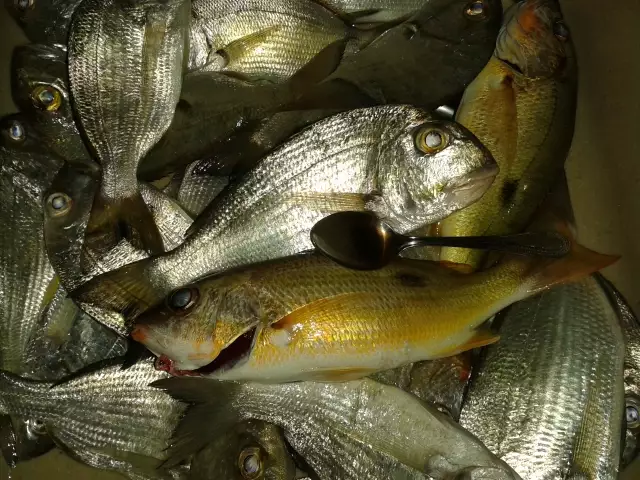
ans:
x=361 y=241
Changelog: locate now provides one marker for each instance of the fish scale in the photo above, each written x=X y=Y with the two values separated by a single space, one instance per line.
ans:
x=548 y=397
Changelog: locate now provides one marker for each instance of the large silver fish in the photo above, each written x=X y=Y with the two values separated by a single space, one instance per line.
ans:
x=549 y=397
x=350 y=430
x=397 y=161
x=125 y=73
x=266 y=40
x=631 y=330
x=105 y=416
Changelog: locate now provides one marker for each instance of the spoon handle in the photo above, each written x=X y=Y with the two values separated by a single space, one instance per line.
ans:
x=540 y=244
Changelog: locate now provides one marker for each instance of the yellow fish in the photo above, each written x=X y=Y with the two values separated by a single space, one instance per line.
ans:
x=307 y=318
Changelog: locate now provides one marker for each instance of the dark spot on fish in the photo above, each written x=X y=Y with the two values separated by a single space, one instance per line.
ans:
x=508 y=192
x=183 y=105
x=410 y=279
x=232 y=355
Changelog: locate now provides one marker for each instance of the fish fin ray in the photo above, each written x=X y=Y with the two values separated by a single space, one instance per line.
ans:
x=323 y=64
x=344 y=374
x=209 y=414
x=482 y=337
x=330 y=202
x=245 y=45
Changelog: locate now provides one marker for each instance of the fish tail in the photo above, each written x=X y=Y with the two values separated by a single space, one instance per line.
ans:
x=128 y=217
x=128 y=290
x=579 y=262
x=209 y=415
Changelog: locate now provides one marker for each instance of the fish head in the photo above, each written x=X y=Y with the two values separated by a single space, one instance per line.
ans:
x=40 y=90
x=197 y=322
x=23 y=439
x=249 y=450
x=431 y=169
x=631 y=445
x=534 y=40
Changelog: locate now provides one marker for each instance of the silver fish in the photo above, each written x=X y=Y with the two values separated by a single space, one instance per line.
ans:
x=43 y=21
x=104 y=416
x=631 y=329
x=266 y=40
x=27 y=280
x=125 y=73
x=350 y=430
x=366 y=159
x=198 y=190
x=549 y=397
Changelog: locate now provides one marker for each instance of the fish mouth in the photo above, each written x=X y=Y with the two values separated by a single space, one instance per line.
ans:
x=472 y=186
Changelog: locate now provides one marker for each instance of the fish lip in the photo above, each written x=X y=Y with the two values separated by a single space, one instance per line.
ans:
x=480 y=177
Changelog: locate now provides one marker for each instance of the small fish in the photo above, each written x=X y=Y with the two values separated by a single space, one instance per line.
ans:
x=549 y=397
x=250 y=449
x=631 y=330
x=40 y=89
x=27 y=280
x=265 y=40
x=426 y=61
x=43 y=21
x=104 y=416
x=398 y=161
x=374 y=11
x=125 y=73
x=76 y=258
x=522 y=107
x=307 y=318
x=351 y=430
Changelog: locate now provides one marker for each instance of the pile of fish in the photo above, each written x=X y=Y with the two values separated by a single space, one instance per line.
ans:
x=286 y=239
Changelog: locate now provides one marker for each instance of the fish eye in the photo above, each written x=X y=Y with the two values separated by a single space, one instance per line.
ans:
x=632 y=412
x=561 y=31
x=431 y=140
x=183 y=299
x=46 y=98
x=23 y=4
x=59 y=204
x=250 y=463
x=36 y=426
x=16 y=131
x=476 y=9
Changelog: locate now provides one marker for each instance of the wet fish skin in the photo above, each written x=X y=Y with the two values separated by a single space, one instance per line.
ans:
x=631 y=330
x=252 y=440
x=85 y=413
x=373 y=11
x=263 y=40
x=125 y=73
x=22 y=440
x=43 y=21
x=40 y=89
x=198 y=190
x=560 y=356
x=361 y=159
x=307 y=318
x=525 y=119
x=397 y=435
x=27 y=281
x=440 y=30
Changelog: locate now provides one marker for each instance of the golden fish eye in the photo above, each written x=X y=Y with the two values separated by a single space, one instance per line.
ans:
x=476 y=10
x=561 y=31
x=183 y=299
x=46 y=98
x=59 y=204
x=250 y=463
x=431 y=140
x=23 y=4
x=632 y=412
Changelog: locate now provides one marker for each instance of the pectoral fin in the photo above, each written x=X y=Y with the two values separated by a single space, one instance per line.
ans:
x=330 y=202
x=481 y=338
